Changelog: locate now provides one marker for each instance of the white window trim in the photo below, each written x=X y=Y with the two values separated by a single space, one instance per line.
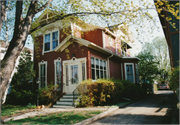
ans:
x=55 y=61
x=99 y=70
x=51 y=44
x=40 y=63
x=132 y=70
x=103 y=38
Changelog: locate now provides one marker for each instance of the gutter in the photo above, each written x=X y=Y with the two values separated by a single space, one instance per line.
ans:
x=108 y=64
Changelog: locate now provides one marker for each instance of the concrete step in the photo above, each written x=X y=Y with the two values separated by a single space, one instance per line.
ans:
x=62 y=106
x=65 y=100
x=64 y=103
x=69 y=96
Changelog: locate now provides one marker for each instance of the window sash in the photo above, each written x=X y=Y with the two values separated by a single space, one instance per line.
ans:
x=42 y=75
x=129 y=72
x=51 y=41
x=98 y=68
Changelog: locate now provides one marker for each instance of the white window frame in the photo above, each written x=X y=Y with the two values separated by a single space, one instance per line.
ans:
x=41 y=63
x=55 y=61
x=132 y=71
x=51 y=42
x=99 y=68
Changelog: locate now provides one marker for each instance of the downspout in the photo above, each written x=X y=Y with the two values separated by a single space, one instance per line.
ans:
x=108 y=65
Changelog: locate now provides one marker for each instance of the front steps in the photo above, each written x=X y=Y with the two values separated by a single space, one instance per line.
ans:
x=66 y=101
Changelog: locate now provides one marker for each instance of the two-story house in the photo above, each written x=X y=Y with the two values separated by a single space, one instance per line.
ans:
x=69 y=51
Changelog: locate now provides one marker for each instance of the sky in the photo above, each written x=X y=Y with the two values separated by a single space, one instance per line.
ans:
x=146 y=37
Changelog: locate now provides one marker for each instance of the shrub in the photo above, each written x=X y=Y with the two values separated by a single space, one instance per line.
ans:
x=174 y=79
x=105 y=92
x=95 y=93
x=47 y=94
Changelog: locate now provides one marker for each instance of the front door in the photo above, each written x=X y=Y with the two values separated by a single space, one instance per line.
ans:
x=74 y=72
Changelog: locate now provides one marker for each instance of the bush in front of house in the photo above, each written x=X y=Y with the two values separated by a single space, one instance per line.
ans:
x=106 y=92
x=47 y=94
x=95 y=93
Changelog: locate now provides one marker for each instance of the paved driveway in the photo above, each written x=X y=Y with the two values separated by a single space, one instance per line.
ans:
x=156 y=109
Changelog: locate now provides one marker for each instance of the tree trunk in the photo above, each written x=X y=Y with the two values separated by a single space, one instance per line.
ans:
x=22 y=28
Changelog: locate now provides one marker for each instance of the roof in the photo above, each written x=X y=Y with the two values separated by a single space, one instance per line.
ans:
x=64 y=44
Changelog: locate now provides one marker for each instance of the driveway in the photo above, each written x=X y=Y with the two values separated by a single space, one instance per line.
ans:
x=156 y=109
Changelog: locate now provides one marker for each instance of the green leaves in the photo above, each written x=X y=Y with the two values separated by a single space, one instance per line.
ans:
x=147 y=67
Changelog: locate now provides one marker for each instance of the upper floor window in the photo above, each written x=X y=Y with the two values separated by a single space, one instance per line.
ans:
x=51 y=40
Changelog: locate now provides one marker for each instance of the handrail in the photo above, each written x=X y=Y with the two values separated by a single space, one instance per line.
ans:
x=56 y=98
x=73 y=94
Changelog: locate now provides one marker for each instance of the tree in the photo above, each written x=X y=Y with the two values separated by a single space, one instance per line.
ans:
x=21 y=85
x=159 y=49
x=148 y=68
x=110 y=11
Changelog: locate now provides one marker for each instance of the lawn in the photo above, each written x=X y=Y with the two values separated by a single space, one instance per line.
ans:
x=8 y=110
x=58 y=118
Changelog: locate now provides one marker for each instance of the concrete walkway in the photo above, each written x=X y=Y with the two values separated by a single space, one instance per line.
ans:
x=54 y=110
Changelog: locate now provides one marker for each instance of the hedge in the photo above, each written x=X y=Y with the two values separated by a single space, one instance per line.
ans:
x=106 y=92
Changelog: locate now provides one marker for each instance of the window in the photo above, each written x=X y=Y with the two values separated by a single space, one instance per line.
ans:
x=43 y=74
x=98 y=68
x=74 y=74
x=129 y=72
x=83 y=72
x=47 y=42
x=58 y=73
x=51 y=41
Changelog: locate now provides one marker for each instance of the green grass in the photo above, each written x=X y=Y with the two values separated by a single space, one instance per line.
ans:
x=12 y=109
x=58 y=118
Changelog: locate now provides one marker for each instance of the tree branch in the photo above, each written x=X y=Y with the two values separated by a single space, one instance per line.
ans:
x=60 y=17
x=2 y=9
x=44 y=6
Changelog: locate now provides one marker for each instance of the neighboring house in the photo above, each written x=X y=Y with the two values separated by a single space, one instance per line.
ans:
x=172 y=35
x=3 y=49
x=84 y=52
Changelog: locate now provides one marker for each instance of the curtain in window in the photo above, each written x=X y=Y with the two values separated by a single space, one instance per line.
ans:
x=58 y=74
x=74 y=74
x=47 y=42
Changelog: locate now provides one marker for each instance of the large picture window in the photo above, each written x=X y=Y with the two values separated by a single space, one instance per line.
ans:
x=129 y=72
x=43 y=74
x=51 y=41
x=98 y=68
